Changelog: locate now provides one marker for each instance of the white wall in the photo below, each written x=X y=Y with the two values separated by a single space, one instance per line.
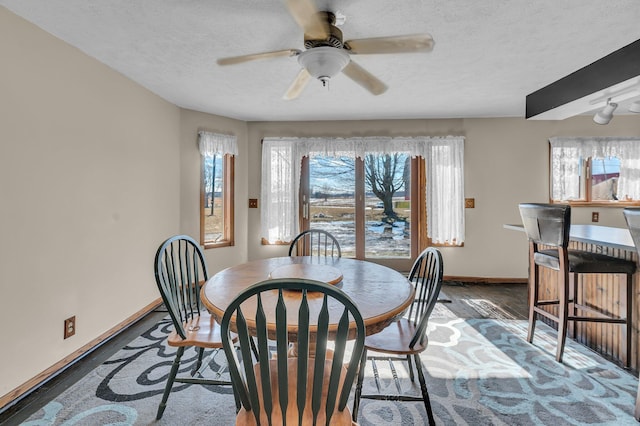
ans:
x=89 y=175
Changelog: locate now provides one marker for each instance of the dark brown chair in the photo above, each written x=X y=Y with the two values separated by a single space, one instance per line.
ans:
x=547 y=227
x=315 y=242
x=180 y=270
x=406 y=339
x=632 y=216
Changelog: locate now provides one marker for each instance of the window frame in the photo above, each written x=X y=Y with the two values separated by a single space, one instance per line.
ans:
x=228 y=238
x=419 y=239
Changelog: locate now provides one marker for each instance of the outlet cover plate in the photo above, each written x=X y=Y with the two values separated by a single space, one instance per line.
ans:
x=69 y=327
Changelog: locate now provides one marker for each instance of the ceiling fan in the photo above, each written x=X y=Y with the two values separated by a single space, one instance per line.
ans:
x=327 y=54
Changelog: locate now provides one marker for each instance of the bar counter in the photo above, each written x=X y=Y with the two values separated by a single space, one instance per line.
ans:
x=601 y=291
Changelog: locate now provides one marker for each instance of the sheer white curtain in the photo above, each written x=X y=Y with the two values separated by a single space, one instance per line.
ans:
x=279 y=190
x=567 y=153
x=566 y=157
x=215 y=143
x=445 y=190
x=281 y=164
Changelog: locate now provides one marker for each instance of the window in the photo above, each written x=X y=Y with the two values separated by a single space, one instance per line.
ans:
x=216 y=194
x=366 y=189
x=371 y=217
x=598 y=171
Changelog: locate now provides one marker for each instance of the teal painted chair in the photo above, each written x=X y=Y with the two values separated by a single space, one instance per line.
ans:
x=309 y=384
x=315 y=242
x=180 y=271
x=406 y=339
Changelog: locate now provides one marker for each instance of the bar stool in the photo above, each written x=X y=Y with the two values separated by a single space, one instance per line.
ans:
x=548 y=225
x=632 y=216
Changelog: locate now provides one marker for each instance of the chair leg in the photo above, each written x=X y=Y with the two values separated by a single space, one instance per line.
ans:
x=534 y=273
x=572 y=301
x=356 y=397
x=563 y=312
x=410 y=368
x=423 y=388
x=170 y=379
x=196 y=368
x=636 y=411
x=627 y=332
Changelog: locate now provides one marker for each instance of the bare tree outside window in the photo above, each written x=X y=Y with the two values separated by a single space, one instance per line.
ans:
x=385 y=176
x=387 y=203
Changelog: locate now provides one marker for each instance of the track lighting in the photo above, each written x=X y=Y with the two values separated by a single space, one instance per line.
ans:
x=605 y=116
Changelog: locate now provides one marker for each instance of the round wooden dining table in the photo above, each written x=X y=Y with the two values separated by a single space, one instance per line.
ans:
x=381 y=294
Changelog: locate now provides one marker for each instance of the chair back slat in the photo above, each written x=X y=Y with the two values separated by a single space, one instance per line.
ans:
x=316 y=243
x=328 y=389
x=426 y=275
x=282 y=345
x=179 y=265
x=249 y=397
x=303 y=352
x=263 y=352
x=322 y=335
x=338 y=356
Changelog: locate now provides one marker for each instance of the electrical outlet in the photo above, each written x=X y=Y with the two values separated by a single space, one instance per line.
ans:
x=595 y=216
x=69 y=327
x=253 y=203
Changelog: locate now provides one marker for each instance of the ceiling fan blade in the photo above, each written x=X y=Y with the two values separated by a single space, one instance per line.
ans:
x=397 y=44
x=306 y=15
x=255 y=56
x=298 y=85
x=364 y=78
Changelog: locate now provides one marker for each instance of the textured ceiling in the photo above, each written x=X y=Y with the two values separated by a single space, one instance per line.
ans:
x=489 y=54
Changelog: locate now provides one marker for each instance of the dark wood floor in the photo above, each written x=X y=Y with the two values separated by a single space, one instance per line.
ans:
x=478 y=300
x=463 y=300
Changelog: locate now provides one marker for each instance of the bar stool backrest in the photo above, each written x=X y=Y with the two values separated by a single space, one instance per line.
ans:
x=632 y=216
x=547 y=224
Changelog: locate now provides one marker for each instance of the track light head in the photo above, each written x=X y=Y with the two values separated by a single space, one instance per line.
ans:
x=606 y=114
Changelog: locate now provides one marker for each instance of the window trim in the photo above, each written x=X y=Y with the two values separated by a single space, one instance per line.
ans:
x=228 y=198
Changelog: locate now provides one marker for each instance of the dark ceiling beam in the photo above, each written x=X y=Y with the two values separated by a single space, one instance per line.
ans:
x=619 y=66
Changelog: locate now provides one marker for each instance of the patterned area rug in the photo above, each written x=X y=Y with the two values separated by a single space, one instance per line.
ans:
x=479 y=372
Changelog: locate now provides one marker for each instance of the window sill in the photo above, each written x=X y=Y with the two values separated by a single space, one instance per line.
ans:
x=265 y=242
x=218 y=244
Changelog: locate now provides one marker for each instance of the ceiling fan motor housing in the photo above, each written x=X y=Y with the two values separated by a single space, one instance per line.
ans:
x=334 y=39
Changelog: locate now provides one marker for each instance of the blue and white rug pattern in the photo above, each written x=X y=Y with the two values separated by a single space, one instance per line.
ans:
x=478 y=371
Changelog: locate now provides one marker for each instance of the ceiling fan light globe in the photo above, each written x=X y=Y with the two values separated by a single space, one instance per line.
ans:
x=323 y=62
